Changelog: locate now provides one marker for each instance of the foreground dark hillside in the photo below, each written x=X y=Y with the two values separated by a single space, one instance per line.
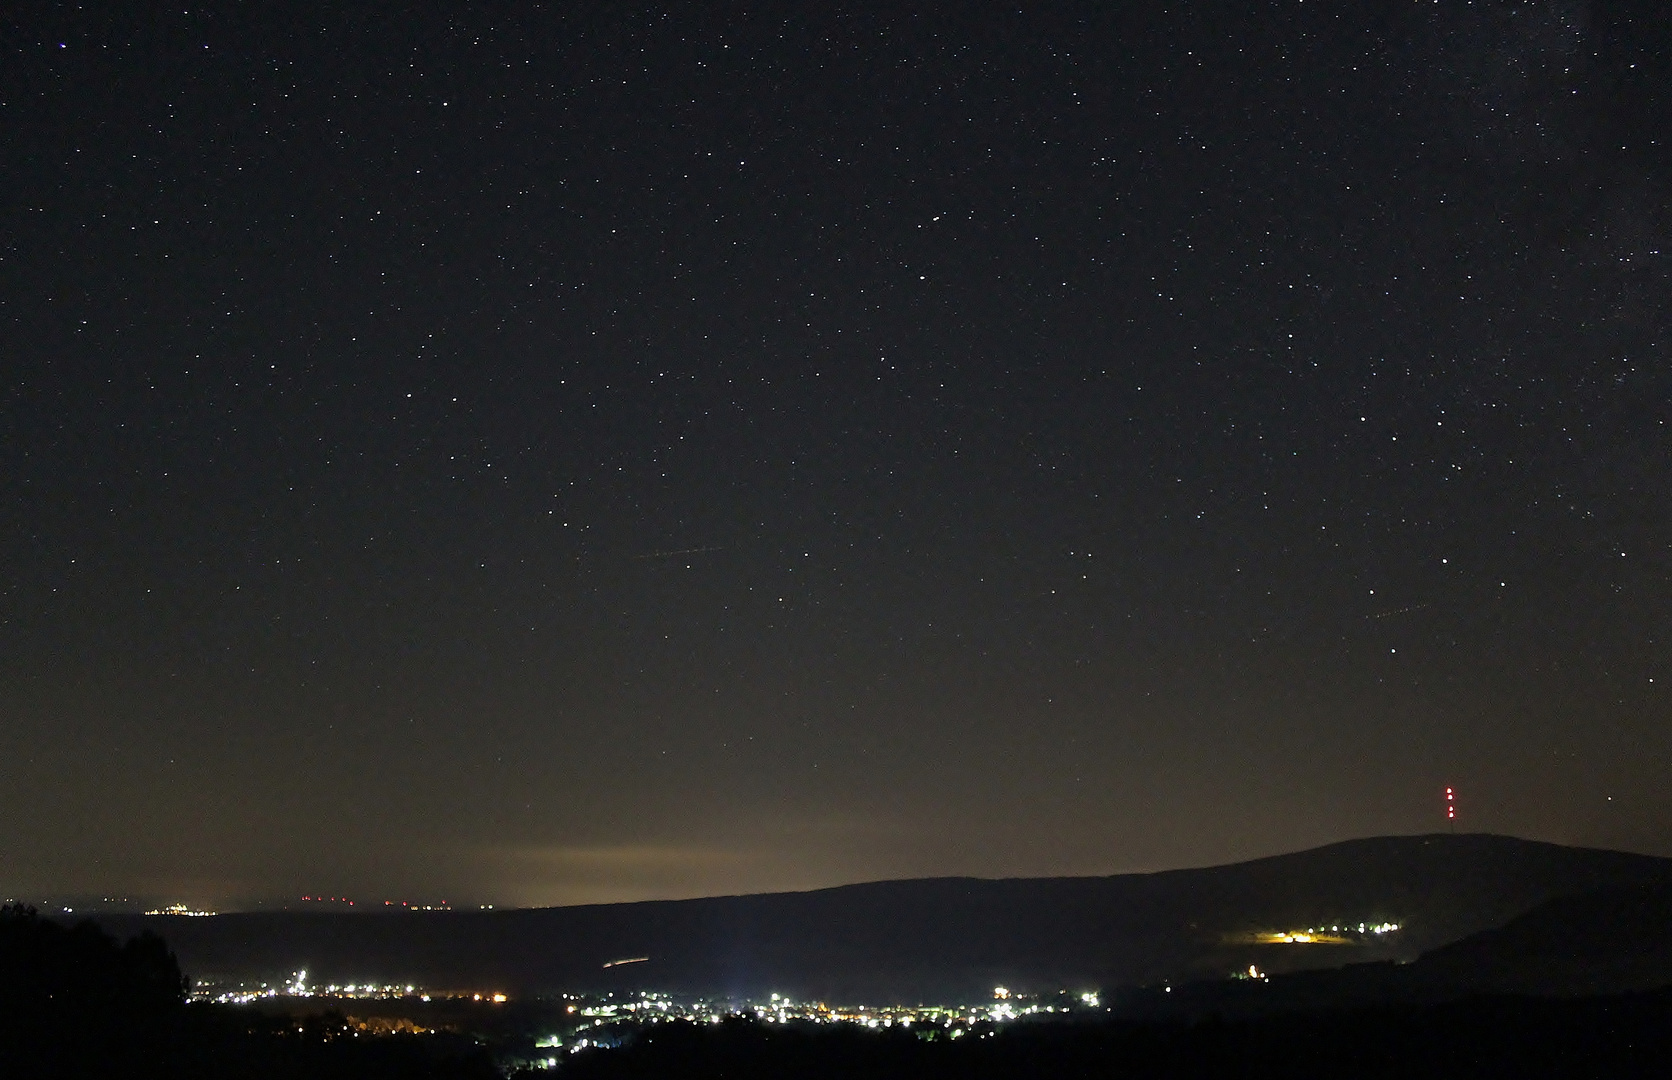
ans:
x=1615 y=940
x=1604 y=941
x=938 y=938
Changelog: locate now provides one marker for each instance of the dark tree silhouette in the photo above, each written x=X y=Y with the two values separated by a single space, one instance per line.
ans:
x=74 y=1001
x=76 y=1004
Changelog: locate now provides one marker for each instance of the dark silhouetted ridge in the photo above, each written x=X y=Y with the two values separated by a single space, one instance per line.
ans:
x=945 y=936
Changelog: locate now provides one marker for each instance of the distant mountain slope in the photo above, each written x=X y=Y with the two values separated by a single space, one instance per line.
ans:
x=1610 y=941
x=936 y=937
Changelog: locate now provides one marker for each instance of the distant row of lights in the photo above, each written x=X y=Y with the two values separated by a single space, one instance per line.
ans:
x=407 y=904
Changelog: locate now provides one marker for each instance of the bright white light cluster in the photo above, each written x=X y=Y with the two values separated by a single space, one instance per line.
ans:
x=298 y=986
x=955 y=1020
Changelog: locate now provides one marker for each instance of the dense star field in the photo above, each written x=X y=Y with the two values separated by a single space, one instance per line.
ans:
x=550 y=453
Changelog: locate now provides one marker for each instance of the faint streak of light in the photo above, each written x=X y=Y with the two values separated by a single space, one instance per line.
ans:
x=680 y=551
x=1398 y=611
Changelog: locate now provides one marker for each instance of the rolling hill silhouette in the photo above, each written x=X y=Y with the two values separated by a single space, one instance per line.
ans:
x=1602 y=943
x=1611 y=941
x=936 y=938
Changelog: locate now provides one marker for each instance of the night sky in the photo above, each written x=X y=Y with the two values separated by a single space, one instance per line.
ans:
x=552 y=453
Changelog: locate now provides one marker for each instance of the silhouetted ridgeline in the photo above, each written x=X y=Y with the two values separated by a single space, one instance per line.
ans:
x=937 y=938
x=1608 y=941
x=1599 y=942
x=76 y=1003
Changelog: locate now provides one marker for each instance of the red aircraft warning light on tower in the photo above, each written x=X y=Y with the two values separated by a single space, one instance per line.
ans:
x=1451 y=810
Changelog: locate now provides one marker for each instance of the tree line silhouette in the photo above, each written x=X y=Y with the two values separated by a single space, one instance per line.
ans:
x=76 y=1004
